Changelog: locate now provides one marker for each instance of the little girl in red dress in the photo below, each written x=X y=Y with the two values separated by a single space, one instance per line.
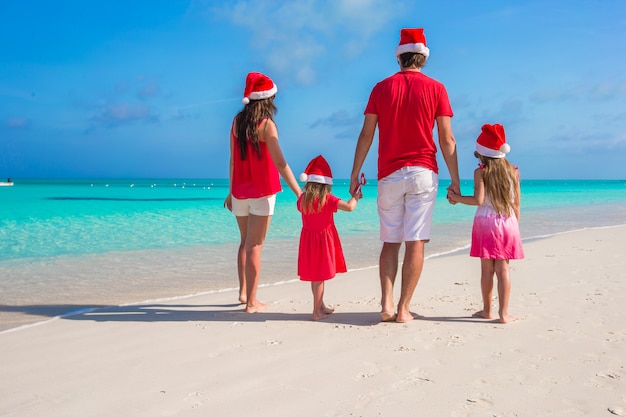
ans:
x=320 y=255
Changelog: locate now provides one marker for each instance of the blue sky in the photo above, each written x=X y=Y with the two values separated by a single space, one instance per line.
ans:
x=148 y=89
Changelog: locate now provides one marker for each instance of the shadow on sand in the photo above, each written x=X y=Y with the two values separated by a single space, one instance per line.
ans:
x=182 y=313
x=201 y=313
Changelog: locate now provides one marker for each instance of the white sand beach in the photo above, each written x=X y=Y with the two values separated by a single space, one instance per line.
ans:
x=564 y=356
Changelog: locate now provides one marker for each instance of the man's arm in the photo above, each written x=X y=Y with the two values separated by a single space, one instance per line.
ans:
x=447 y=143
x=366 y=137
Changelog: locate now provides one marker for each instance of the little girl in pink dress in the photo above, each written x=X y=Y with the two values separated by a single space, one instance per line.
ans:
x=495 y=233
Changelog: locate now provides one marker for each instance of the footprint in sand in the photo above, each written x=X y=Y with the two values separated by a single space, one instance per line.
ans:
x=456 y=340
x=484 y=402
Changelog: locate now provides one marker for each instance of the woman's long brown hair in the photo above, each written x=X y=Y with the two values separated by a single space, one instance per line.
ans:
x=247 y=122
x=501 y=184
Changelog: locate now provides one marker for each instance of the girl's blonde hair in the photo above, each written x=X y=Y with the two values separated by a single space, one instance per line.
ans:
x=313 y=190
x=501 y=183
x=248 y=120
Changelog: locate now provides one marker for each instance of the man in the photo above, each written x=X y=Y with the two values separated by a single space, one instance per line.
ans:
x=405 y=107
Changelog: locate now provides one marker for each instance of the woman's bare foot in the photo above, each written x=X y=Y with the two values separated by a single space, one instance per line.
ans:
x=406 y=316
x=385 y=317
x=256 y=307
x=243 y=299
x=482 y=314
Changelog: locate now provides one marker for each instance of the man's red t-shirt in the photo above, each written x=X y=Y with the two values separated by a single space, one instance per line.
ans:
x=407 y=104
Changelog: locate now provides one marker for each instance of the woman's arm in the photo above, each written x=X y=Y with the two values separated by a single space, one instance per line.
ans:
x=479 y=192
x=228 y=202
x=268 y=133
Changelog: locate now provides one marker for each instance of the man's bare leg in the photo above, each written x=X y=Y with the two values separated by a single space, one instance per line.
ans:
x=411 y=272
x=388 y=269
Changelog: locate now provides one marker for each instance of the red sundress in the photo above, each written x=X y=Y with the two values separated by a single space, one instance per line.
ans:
x=320 y=256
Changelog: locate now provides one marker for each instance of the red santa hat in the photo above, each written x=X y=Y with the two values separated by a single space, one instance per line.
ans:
x=318 y=171
x=412 y=40
x=258 y=87
x=492 y=141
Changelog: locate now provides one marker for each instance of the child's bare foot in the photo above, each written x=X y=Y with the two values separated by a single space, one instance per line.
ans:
x=327 y=310
x=320 y=315
x=482 y=314
x=256 y=307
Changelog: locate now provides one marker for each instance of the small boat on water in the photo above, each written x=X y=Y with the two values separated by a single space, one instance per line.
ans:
x=7 y=183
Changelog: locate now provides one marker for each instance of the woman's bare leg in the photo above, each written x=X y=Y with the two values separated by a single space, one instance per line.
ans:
x=256 y=232
x=242 y=222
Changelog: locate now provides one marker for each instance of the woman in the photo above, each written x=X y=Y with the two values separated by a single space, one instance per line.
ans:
x=256 y=164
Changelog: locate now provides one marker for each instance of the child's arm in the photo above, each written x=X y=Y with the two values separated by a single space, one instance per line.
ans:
x=479 y=192
x=348 y=205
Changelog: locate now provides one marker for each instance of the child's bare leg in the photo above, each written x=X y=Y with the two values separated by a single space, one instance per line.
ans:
x=504 y=290
x=319 y=308
x=487 y=269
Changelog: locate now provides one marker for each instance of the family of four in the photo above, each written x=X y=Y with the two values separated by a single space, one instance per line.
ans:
x=405 y=108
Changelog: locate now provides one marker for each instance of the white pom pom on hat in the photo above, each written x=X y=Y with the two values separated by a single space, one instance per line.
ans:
x=318 y=171
x=492 y=141
x=258 y=87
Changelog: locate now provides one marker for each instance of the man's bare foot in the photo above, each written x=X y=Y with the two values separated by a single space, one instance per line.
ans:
x=404 y=317
x=384 y=316
x=320 y=315
x=506 y=319
x=256 y=307
x=483 y=315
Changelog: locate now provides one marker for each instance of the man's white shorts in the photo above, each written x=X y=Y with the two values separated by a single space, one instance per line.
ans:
x=406 y=200
x=263 y=206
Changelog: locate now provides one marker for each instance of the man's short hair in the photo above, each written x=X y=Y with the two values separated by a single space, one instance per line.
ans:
x=412 y=60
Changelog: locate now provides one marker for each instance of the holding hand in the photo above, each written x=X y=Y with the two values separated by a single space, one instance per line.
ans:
x=356 y=186
x=453 y=196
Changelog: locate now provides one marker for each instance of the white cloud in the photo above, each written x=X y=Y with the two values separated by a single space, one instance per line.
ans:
x=118 y=114
x=16 y=122
x=293 y=37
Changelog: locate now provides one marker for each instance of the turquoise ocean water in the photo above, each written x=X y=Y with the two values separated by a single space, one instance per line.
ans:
x=69 y=245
